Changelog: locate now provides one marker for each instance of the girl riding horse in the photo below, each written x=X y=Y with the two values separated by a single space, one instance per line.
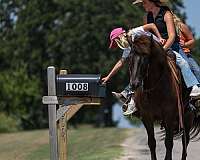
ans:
x=118 y=38
x=162 y=17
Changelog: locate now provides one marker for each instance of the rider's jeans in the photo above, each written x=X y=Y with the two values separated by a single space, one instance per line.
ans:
x=188 y=76
x=194 y=66
x=192 y=63
x=182 y=61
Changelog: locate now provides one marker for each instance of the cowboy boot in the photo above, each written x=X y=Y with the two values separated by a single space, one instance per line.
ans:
x=131 y=108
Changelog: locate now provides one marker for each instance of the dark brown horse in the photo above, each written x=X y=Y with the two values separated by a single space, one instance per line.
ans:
x=156 y=96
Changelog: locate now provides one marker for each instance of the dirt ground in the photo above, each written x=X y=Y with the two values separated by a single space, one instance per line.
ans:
x=136 y=148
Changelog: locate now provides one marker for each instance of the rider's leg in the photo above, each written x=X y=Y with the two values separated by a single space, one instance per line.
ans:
x=194 y=66
x=128 y=94
x=127 y=91
x=123 y=95
x=192 y=63
x=188 y=76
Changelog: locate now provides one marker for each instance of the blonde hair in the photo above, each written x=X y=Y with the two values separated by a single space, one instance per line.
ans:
x=178 y=23
x=122 y=42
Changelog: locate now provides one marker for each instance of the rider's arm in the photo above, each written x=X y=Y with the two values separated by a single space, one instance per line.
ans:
x=118 y=65
x=168 y=18
x=188 y=35
x=152 y=27
x=115 y=69
x=145 y=19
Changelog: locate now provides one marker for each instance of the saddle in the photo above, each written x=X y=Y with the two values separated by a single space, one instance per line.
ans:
x=176 y=80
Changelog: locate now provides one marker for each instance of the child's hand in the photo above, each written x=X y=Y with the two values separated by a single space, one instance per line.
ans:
x=182 y=43
x=104 y=80
x=162 y=41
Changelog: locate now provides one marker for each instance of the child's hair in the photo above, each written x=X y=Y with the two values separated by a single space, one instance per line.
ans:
x=123 y=41
x=177 y=23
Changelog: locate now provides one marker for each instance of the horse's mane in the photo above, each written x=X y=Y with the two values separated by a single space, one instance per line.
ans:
x=144 y=45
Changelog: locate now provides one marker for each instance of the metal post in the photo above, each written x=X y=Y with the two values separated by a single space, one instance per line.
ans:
x=52 y=114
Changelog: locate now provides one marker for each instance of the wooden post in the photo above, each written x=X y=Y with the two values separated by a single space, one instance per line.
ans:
x=59 y=152
x=52 y=114
x=63 y=131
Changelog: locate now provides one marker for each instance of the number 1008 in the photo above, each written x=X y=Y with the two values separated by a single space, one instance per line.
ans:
x=76 y=86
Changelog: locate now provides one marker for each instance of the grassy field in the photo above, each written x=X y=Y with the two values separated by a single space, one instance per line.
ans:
x=85 y=143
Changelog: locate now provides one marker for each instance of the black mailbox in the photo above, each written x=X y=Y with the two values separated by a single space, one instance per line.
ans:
x=87 y=85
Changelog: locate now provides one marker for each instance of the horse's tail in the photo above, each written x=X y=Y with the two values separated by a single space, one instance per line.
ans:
x=194 y=127
x=195 y=130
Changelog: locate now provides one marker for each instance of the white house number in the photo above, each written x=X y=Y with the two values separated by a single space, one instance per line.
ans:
x=76 y=86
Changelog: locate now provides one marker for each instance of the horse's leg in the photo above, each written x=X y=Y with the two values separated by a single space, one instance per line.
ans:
x=185 y=142
x=188 y=119
x=151 y=138
x=169 y=141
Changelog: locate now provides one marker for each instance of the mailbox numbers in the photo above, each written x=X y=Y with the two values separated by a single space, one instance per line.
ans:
x=76 y=86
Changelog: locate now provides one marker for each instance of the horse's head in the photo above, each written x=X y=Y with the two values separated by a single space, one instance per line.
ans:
x=140 y=59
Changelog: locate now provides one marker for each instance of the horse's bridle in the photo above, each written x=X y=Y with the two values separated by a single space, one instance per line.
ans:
x=147 y=71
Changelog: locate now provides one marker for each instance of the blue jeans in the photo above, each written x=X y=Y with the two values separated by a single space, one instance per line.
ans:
x=194 y=66
x=182 y=61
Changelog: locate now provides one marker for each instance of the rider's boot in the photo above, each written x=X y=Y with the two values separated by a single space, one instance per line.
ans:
x=195 y=93
x=131 y=108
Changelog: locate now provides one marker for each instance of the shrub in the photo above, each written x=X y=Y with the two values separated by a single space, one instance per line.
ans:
x=7 y=124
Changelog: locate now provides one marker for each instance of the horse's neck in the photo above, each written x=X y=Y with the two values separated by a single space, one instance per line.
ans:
x=159 y=74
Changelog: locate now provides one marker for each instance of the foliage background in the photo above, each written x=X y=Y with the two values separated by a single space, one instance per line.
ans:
x=72 y=34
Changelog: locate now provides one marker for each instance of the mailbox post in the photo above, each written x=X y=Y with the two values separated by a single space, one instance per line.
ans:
x=52 y=114
x=70 y=92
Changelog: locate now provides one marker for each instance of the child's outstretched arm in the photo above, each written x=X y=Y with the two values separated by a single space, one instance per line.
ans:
x=114 y=70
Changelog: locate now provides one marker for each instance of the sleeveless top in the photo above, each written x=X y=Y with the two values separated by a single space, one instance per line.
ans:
x=183 y=39
x=160 y=23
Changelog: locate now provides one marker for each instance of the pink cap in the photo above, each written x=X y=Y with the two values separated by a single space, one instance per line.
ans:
x=114 y=34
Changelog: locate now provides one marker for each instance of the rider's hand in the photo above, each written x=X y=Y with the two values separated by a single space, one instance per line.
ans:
x=162 y=41
x=104 y=80
x=182 y=43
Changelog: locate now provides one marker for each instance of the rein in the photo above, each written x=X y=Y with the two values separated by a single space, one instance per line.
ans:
x=147 y=75
x=155 y=86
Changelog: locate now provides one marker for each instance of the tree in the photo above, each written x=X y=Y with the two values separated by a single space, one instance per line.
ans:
x=72 y=34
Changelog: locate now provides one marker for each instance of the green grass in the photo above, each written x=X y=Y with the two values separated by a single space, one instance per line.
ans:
x=85 y=143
